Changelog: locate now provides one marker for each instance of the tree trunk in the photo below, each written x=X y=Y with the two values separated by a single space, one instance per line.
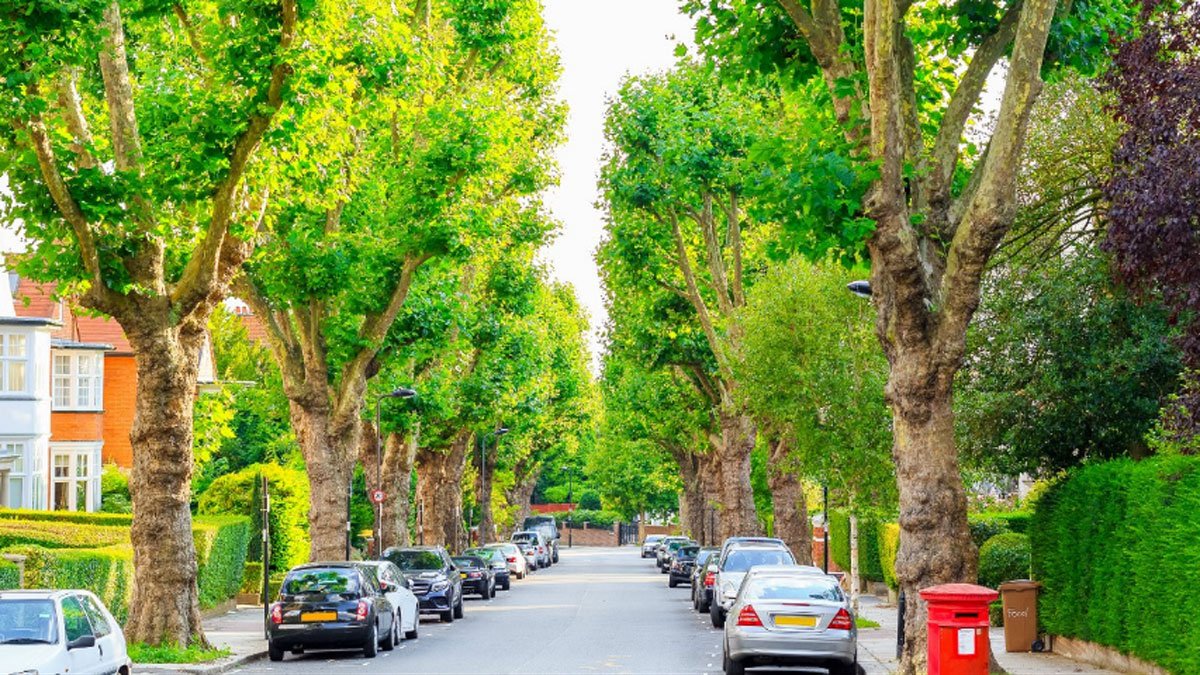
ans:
x=854 y=580
x=487 y=527
x=399 y=456
x=165 y=607
x=521 y=494
x=439 y=490
x=935 y=543
x=329 y=448
x=734 y=494
x=791 y=512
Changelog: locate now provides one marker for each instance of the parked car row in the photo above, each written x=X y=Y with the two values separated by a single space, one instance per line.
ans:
x=373 y=604
x=772 y=611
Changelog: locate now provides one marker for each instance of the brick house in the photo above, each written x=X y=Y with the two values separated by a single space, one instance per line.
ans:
x=85 y=383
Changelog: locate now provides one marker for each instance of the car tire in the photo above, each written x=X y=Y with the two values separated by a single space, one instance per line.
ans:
x=701 y=605
x=390 y=640
x=717 y=616
x=458 y=609
x=556 y=556
x=447 y=616
x=840 y=668
x=274 y=653
x=508 y=584
x=663 y=570
x=730 y=666
x=671 y=583
x=412 y=634
x=371 y=648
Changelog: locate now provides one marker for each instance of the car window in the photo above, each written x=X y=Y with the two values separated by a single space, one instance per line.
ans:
x=324 y=581
x=741 y=560
x=416 y=560
x=28 y=621
x=778 y=588
x=95 y=615
x=75 y=620
x=395 y=575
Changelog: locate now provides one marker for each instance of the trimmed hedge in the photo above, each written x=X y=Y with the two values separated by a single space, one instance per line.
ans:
x=869 y=565
x=601 y=519
x=988 y=524
x=1117 y=549
x=10 y=575
x=235 y=494
x=51 y=534
x=107 y=572
x=221 y=543
x=889 y=544
x=1003 y=558
x=80 y=517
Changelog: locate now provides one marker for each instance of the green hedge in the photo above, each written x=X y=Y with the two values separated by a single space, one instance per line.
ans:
x=1117 y=549
x=1003 y=558
x=869 y=565
x=80 y=517
x=988 y=524
x=107 y=572
x=221 y=543
x=51 y=534
x=10 y=575
x=235 y=493
x=601 y=519
x=889 y=544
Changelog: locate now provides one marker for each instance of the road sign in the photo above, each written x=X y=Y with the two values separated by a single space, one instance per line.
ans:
x=378 y=496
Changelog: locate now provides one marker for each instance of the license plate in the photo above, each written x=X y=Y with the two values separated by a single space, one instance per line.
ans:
x=464 y=575
x=796 y=621
x=318 y=616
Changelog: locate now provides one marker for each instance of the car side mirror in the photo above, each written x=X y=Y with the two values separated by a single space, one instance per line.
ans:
x=386 y=587
x=408 y=584
x=82 y=642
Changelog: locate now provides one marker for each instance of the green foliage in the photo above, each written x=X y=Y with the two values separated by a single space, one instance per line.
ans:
x=252 y=578
x=81 y=517
x=10 y=575
x=555 y=494
x=590 y=500
x=221 y=543
x=763 y=499
x=107 y=572
x=141 y=653
x=601 y=519
x=870 y=566
x=1002 y=558
x=52 y=534
x=114 y=490
x=889 y=545
x=988 y=524
x=235 y=494
x=839 y=538
x=1115 y=543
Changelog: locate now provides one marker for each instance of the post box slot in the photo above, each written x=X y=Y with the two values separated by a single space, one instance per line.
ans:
x=966 y=615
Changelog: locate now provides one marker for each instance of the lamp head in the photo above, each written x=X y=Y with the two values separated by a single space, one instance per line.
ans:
x=500 y=431
x=402 y=392
x=860 y=288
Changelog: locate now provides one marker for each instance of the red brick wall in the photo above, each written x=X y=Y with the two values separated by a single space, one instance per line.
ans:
x=77 y=426
x=588 y=537
x=120 y=396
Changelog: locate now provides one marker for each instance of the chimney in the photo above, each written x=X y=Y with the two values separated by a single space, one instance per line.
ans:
x=6 y=293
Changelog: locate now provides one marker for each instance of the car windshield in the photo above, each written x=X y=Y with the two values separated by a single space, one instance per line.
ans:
x=689 y=551
x=525 y=537
x=653 y=539
x=676 y=545
x=703 y=555
x=468 y=561
x=790 y=588
x=321 y=581
x=483 y=553
x=27 y=622
x=741 y=560
x=415 y=560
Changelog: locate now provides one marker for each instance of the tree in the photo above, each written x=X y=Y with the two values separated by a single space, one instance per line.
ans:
x=904 y=80
x=1154 y=188
x=139 y=155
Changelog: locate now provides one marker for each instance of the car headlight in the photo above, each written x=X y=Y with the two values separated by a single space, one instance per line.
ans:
x=439 y=586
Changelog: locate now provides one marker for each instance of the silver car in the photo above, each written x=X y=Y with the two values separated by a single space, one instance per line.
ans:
x=787 y=615
x=650 y=546
x=732 y=567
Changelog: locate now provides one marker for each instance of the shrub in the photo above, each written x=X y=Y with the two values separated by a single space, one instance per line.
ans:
x=114 y=490
x=555 y=494
x=107 y=572
x=889 y=544
x=233 y=494
x=869 y=566
x=590 y=500
x=221 y=556
x=600 y=519
x=839 y=538
x=10 y=575
x=252 y=578
x=1002 y=558
x=80 y=517
x=1114 y=545
x=983 y=529
x=50 y=534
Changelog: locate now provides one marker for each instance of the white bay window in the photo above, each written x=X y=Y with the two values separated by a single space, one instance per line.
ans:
x=78 y=380
x=14 y=363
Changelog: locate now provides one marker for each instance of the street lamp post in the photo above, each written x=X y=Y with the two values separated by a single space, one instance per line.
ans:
x=483 y=493
x=571 y=501
x=401 y=392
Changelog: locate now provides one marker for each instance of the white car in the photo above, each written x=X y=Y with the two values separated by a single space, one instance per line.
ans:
x=518 y=564
x=538 y=541
x=60 y=632
x=397 y=590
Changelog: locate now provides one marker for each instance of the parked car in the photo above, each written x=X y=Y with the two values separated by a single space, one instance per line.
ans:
x=435 y=579
x=735 y=562
x=790 y=616
x=336 y=605
x=476 y=574
x=396 y=588
x=680 y=571
x=650 y=544
x=667 y=555
x=660 y=553
x=517 y=563
x=704 y=575
x=549 y=529
x=538 y=541
x=61 y=631
x=497 y=561
x=731 y=541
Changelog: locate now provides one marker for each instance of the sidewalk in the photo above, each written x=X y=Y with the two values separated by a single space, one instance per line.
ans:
x=239 y=630
x=877 y=648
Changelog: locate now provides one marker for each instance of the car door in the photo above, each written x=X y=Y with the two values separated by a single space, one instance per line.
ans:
x=383 y=608
x=82 y=660
x=396 y=594
x=408 y=605
x=451 y=572
x=108 y=640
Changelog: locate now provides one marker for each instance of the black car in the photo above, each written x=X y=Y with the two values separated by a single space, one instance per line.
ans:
x=435 y=579
x=669 y=549
x=330 y=606
x=704 y=573
x=682 y=562
x=476 y=576
x=549 y=529
x=499 y=563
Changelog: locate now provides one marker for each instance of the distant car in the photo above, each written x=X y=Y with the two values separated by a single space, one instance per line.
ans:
x=476 y=576
x=517 y=564
x=335 y=605
x=667 y=554
x=396 y=588
x=549 y=529
x=680 y=570
x=735 y=562
x=650 y=544
x=499 y=563
x=60 y=632
x=660 y=551
x=538 y=541
x=435 y=579
x=704 y=575
x=731 y=541
x=790 y=616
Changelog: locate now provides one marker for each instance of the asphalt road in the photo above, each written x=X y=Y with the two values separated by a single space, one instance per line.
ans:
x=598 y=611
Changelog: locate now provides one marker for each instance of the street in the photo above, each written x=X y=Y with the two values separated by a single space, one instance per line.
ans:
x=598 y=610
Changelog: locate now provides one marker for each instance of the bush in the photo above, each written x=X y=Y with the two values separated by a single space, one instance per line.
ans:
x=50 y=534
x=1003 y=558
x=590 y=500
x=597 y=519
x=1114 y=546
x=114 y=490
x=10 y=575
x=221 y=556
x=555 y=494
x=869 y=566
x=107 y=572
x=80 y=517
x=889 y=544
x=983 y=529
x=234 y=494
x=252 y=578
x=839 y=538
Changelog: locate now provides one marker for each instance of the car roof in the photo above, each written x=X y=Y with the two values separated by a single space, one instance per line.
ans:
x=314 y=565
x=789 y=570
x=752 y=540
x=38 y=594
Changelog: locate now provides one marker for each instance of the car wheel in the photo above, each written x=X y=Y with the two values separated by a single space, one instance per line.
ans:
x=412 y=634
x=393 y=636
x=508 y=584
x=663 y=570
x=701 y=605
x=273 y=652
x=447 y=616
x=731 y=666
x=671 y=583
x=717 y=616
x=840 y=668
x=371 y=648
x=458 y=609
x=556 y=556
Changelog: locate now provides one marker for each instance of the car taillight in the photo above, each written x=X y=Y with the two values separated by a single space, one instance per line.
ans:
x=474 y=575
x=361 y=614
x=541 y=549
x=710 y=578
x=512 y=559
x=842 y=621
x=748 y=617
x=277 y=614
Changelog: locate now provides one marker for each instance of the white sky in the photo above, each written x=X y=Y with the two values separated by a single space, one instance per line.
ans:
x=600 y=41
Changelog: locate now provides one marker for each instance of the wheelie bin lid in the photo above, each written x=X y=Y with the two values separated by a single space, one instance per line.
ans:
x=1020 y=585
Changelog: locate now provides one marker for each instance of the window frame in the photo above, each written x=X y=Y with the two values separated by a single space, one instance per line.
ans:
x=72 y=379
x=28 y=373
x=91 y=480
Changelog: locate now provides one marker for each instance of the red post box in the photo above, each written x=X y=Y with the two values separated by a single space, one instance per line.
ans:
x=958 y=628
